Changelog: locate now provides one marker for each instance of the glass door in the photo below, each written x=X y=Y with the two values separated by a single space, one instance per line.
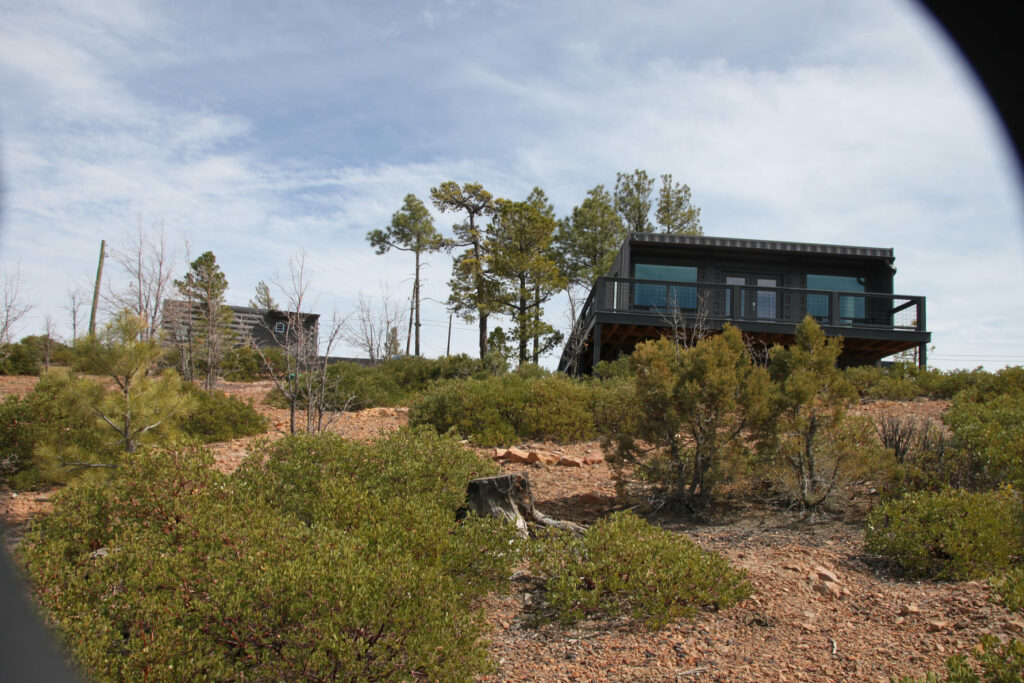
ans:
x=766 y=302
x=737 y=294
x=745 y=300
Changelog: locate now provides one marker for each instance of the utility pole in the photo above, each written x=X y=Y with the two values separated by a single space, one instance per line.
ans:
x=96 y=290
x=448 y=349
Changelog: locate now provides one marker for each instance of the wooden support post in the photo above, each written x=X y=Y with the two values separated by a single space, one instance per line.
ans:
x=96 y=290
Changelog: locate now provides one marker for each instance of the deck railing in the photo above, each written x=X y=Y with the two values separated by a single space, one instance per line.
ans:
x=714 y=302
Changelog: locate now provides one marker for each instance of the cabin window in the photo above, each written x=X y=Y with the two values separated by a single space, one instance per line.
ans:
x=279 y=328
x=851 y=308
x=664 y=296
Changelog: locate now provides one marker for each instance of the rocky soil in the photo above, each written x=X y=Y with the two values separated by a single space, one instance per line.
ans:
x=823 y=609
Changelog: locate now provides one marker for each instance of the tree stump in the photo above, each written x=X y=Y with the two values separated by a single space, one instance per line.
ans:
x=508 y=496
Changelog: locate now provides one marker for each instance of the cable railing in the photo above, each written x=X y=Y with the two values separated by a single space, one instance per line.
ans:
x=714 y=302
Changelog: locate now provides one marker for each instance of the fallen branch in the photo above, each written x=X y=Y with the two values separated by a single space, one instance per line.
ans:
x=85 y=464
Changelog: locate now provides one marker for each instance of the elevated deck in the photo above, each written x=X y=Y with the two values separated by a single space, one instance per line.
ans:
x=622 y=312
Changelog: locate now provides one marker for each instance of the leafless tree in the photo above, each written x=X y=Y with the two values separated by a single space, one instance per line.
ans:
x=77 y=299
x=687 y=329
x=178 y=319
x=147 y=262
x=304 y=380
x=14 y=306
x=49 y=332
x=375 y=329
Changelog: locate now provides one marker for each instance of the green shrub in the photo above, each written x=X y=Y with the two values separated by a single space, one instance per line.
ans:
x=988 y=428
x=19 y=359
x=215 y=416
x=623 y=564
x=355 y=387
x=500 y=410
x=949 y=535
x=1010 y=589
x=691 y=405
x=329 y=560
x=999 y=663
x=905 y=381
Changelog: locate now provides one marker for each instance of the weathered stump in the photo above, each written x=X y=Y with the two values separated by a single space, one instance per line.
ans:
x=508 y=496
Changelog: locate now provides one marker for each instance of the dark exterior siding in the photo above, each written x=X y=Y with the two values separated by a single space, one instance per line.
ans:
x=250 y=325
x=772 y=275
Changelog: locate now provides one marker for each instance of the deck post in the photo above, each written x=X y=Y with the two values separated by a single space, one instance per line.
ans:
x=597 y=346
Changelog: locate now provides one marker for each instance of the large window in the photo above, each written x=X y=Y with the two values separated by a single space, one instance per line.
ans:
x=851 y=308
x=665 y=296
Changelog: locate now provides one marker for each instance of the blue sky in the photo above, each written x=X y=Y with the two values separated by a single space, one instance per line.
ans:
x=257 y=129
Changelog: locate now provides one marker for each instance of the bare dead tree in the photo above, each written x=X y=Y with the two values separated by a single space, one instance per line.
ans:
x=178 y=320
x=14 y=306
x=147 y=262
x=49 y=332
x=307 y=345
x=687 y=330
x=77 y=298
x=375 y=329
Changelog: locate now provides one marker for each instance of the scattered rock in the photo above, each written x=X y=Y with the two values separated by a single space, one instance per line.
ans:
x=516 y=455
x=826 y=574
x=541 y=458
x=570 y=461
x=828 y=589
x=910 y=609
x=936 y=625
x=593 y=458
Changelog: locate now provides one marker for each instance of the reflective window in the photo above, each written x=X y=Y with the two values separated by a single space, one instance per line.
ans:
x=665 y=296
x=851 y=308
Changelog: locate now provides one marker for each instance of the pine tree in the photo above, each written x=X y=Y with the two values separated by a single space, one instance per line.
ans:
x=263 y=299
x=411 y=229
x=204 y=287
x=473 y=292
x=676 y=214
x=519 y=259
x=633 y=199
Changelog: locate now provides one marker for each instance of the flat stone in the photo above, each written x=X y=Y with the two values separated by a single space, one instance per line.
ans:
x=826 y=574
x=516 y=455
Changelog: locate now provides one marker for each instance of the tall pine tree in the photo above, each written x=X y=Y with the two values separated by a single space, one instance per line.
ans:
x=411 y=229
x=473 y=293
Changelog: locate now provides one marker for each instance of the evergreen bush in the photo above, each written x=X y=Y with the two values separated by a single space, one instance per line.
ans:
x=497 y=411
x=622 y=564
x=953 y=534
x=215 y=416
x=319 y=559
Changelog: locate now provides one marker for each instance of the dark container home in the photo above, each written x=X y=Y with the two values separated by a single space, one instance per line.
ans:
x=261 y=327
x=663 y=285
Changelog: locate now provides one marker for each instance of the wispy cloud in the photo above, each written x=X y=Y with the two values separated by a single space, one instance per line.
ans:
x=258 y=132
